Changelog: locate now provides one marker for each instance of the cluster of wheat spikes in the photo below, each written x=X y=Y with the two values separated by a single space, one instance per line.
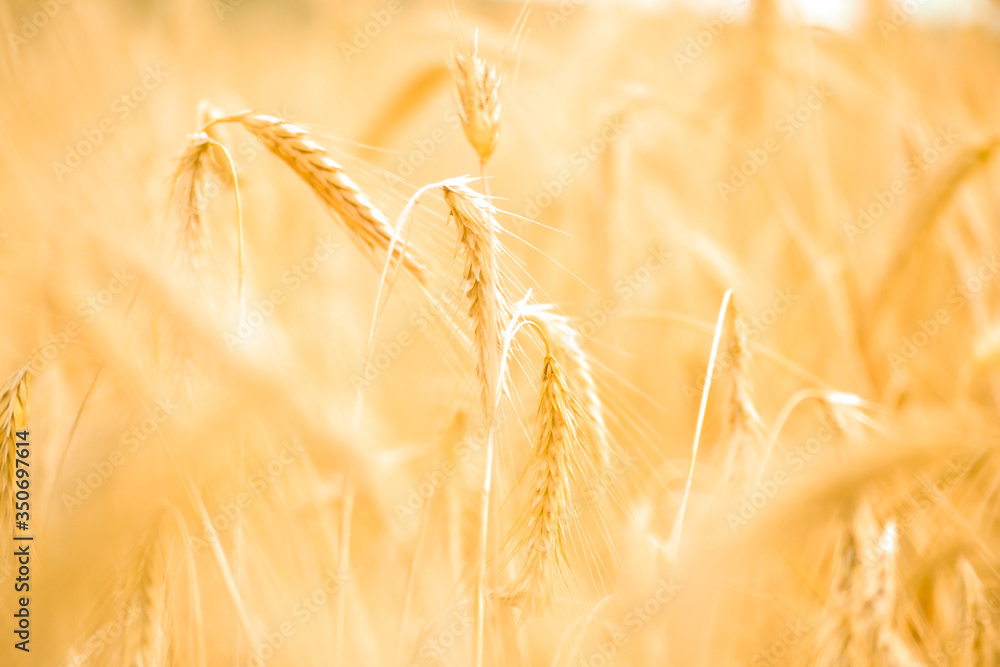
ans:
x=572 y=439
x=648 y=336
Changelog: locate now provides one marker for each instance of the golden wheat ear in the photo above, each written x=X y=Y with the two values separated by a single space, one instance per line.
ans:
x=13 y=421
x=313 y=163
x=541 y=531
x=478 y=231
x=477 y=96
x=565 y=344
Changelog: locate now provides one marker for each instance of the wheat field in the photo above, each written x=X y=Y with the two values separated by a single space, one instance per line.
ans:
x=425 y=333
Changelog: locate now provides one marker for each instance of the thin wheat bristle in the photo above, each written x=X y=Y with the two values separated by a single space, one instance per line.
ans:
x=478 y=231
x=477 y=87
x=366 y=224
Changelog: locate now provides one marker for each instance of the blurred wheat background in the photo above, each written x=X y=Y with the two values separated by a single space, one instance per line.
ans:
x=409 y=333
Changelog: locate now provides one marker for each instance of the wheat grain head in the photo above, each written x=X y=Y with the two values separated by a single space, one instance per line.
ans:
x=312 y=162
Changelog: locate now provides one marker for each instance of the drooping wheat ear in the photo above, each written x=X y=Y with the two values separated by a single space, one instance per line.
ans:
x=188 y=199
x=478 y=232
x=477 y=88
x=978 y=642
x=565 y=343
x=13 y=419
x=554 y=464
x=365 y=223
x=147 y=644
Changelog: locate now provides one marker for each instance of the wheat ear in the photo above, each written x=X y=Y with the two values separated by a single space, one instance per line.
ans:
x=478 y=232
x=188 y=199
x=565 y=343
x=14 y=416
x=367 y=225
x=195 y=164
x=477 y=96
x=553 y=466
x=147 y=594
